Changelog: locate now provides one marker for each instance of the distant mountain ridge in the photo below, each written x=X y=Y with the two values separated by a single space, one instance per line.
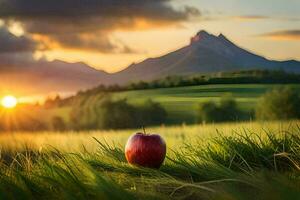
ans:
x=44 y=77
x=206 y=53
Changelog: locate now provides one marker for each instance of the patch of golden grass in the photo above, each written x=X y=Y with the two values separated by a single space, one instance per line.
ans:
x=174 y=135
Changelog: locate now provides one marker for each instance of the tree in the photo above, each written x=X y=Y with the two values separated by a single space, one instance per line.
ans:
x=101 y=112
x=58 y=124
x=151 y=113
x=226 y=111
x=117 y=115
x=229 y=110
x=208 y=112
x=279 y=104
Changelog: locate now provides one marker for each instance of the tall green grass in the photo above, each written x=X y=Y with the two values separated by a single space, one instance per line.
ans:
x=243 y=164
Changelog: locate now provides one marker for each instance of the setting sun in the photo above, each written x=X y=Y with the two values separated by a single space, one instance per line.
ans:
x=9 y=101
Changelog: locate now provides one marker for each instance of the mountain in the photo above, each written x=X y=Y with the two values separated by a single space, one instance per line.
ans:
x=42 y=77
x=205 y=54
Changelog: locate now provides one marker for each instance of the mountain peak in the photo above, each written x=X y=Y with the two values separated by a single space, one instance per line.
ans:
x=224 y=39
x=218 y=43
x=221 y=36
x=201 y=35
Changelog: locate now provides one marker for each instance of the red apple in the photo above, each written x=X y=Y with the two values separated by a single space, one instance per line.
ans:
x=146 y=150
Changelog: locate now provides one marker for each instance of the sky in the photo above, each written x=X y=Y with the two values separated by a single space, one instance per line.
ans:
x=111 y=34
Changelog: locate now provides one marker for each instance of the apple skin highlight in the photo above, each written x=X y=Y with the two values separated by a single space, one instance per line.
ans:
x=146 y=150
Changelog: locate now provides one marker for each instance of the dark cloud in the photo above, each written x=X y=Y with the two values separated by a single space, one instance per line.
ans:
x=156 y=9
x=88 y=24
x=15 y=51
x=13 y=44
x=283 y=35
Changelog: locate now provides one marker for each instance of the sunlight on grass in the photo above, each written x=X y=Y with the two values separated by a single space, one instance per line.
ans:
x=175 y=136
x=224 y=161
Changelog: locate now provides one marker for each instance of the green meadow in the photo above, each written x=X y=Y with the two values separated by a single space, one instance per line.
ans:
x=230 y=161
x=182 y=103
x=252 y=160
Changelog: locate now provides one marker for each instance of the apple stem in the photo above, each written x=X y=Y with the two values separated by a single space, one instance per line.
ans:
x=144 y=130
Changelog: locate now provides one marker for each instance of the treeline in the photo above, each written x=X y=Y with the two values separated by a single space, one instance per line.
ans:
x=225 y=111
x=282 y=103
x=101 y=112
x=95 y=109
x=238 y=77
x=88 y=113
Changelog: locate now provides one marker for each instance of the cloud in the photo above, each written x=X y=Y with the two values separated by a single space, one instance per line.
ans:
x=263 y=17
x=282 y=35
x=88 y=24
x=15 y=51
x=250 y=17
x=13 y=44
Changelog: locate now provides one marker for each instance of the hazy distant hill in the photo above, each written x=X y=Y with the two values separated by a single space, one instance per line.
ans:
x=40 y=77
x=206 y=53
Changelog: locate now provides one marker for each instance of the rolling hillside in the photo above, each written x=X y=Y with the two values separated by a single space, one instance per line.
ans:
x=182 y=103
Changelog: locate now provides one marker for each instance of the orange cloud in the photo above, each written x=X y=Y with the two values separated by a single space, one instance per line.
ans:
x=250 y=17
x=282 y=35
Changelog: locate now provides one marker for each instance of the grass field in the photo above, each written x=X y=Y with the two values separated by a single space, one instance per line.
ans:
x=176 y=136
x=225 y=161
x=182 y=103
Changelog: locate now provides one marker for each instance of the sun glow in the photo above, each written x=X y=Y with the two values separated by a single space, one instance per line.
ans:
x=9 y=101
